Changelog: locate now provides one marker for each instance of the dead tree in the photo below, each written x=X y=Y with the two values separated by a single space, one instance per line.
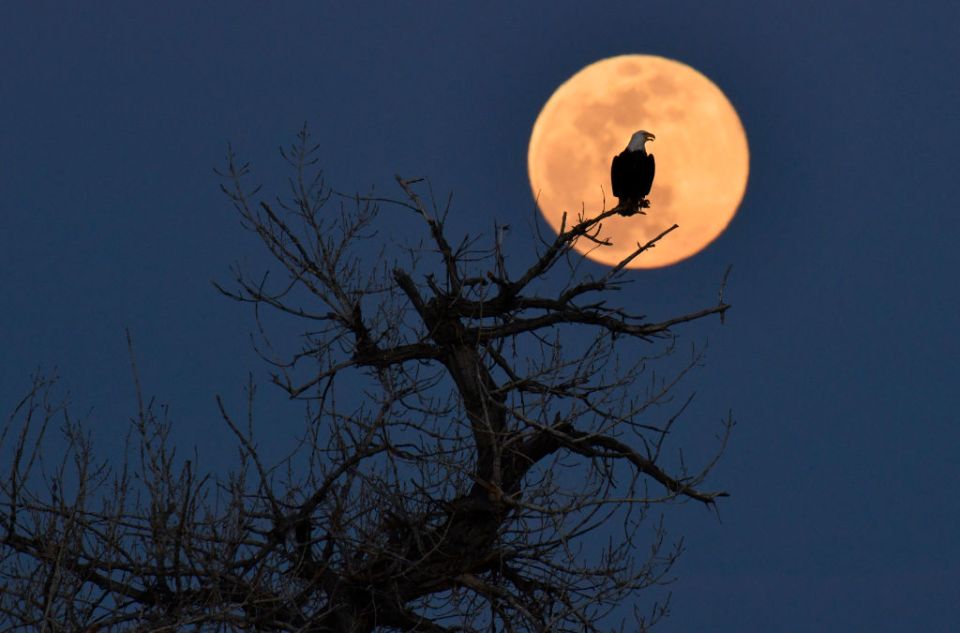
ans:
x=483 y=442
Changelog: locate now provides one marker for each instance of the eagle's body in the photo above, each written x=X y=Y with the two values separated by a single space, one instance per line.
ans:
x=632 y=172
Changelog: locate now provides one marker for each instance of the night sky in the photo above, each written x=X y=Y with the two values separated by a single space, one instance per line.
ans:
x=839 y=358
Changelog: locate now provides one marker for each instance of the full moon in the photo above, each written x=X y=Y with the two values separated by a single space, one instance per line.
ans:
x=700 y=149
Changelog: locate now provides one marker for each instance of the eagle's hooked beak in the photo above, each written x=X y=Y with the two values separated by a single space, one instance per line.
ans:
x=649 y=136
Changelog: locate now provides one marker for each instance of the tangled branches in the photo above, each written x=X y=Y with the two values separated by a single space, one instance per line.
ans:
x=478 y=451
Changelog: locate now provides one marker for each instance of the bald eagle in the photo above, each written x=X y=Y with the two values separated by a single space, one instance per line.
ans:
x=632 y=173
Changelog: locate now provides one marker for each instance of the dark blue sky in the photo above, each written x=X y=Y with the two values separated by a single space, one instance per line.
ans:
x=839 y=357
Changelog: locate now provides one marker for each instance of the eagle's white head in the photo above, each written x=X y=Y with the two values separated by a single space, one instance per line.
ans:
x=638 y=140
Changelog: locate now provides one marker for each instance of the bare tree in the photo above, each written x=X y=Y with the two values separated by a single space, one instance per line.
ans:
x=482 y=445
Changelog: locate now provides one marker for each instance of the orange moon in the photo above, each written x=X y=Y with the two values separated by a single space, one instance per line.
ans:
x=700 y=149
